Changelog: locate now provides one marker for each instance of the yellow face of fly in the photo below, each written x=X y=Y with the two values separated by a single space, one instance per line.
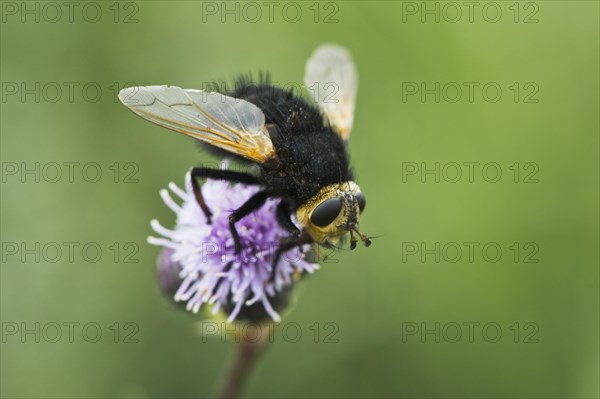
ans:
x=332 y=213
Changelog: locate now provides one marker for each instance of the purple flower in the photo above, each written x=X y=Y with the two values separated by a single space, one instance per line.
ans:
x=209 y=270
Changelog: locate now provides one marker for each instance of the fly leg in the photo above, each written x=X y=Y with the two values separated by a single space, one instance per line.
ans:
x=287 y=244
x=283 y=218
x=253 y=203
x=217 y=174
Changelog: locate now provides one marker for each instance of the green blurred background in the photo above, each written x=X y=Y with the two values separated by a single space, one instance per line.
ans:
x=547 y=310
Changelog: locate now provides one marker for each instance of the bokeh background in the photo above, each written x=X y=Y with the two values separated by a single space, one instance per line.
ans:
x=379 y=301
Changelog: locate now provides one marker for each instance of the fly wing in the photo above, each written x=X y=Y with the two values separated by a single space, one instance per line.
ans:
x=331 y=75
x=231 y=124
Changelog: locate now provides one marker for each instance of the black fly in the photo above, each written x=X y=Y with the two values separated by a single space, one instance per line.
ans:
x=300 y=148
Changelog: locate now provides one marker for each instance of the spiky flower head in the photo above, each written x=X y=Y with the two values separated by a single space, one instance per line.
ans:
x=203 y=254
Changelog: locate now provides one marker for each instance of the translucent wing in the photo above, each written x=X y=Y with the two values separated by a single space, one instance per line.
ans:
x=331 y=76
x=231 y=124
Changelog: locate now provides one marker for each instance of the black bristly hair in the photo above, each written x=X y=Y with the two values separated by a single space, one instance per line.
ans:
x=310 y=154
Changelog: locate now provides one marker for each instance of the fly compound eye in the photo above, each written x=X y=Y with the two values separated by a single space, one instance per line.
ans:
x=362 y=201
x=326 y=212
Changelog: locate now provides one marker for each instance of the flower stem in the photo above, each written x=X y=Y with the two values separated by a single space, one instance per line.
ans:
x=247 y=352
